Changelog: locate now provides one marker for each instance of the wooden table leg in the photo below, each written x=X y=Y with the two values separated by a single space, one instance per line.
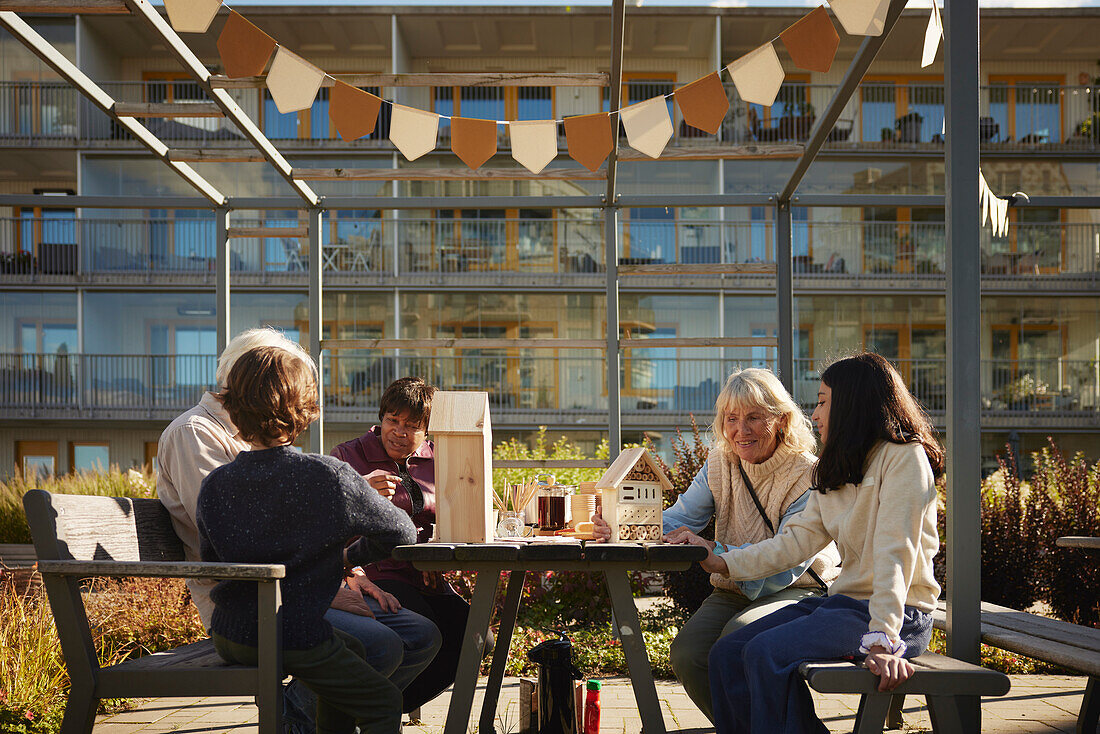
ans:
x=637 y=662
x=477 y=625
x=500 y=651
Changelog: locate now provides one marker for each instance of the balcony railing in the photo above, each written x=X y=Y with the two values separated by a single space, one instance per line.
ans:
x=881 y=114
x=518 y=381
x=356 y=245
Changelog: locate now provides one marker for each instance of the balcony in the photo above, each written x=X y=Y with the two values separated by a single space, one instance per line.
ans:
x=179 y=247
x=888 y=116
x=524 y=389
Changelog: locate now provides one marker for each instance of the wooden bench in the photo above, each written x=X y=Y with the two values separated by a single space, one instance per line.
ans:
x=80 y=536
x=17 y=555
x=941 y=680
x=1051 y=640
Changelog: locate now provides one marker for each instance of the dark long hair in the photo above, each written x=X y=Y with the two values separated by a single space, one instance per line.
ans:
x=869 y=403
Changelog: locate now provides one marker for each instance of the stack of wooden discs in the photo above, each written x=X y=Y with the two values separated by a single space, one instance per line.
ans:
x=581 y=506
x=642 y=474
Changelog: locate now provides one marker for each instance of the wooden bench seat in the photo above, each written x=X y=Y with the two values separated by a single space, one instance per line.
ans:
x=17 y=555
x=941 y=680
x=77 y=537
x=1069 y=645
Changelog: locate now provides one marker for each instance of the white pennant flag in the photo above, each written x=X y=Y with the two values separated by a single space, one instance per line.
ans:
x=191 y=16
x=1002 y=215
x=534 y=143
x=758 y=75
x=983 y=197
x=648 y=126
x=413 y=131
x=861 y=17
x=932 y=35
x=293 y=81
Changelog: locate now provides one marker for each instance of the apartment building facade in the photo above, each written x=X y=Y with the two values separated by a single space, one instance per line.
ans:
x=107 y=315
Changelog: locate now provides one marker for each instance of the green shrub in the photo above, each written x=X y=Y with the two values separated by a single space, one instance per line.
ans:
x=1009 y=548
x=561 y=450
x=115 y=483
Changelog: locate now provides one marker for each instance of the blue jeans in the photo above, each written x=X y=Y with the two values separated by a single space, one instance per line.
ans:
x=399 y=645
x=754 y=680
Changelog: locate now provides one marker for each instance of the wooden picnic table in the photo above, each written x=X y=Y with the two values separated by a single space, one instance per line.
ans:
x=1078 y=541
x=490 y=560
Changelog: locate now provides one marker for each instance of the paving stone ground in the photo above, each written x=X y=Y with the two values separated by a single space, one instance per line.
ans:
x=1037 y=704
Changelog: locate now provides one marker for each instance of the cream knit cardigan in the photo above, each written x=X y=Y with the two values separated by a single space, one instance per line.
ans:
x=778 y=481
x=885 y=529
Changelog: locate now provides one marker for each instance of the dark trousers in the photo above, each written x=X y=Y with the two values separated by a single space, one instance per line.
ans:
x=348 y=689
x=754 y=678
x=449 y=612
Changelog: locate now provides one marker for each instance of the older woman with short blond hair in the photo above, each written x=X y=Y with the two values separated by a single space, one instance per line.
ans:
x=763 y=445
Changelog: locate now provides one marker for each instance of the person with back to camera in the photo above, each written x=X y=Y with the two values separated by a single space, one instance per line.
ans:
x=399 y=642
x=274 y=505
x=762 y=441
x=398 y=462
x=875 y=495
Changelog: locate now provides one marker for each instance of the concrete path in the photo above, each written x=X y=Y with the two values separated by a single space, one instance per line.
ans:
x=1037 y=704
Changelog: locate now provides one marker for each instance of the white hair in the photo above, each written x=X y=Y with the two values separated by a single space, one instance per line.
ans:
x=756 y=388
x=246 y=341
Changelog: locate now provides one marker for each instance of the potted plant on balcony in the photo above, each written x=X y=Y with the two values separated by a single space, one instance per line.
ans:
x=17 y=263
x=1021 y=393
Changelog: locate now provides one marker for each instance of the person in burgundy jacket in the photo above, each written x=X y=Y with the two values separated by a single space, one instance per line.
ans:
x=396 y=459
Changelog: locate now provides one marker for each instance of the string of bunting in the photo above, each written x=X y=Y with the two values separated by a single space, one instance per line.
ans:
x=294 y=82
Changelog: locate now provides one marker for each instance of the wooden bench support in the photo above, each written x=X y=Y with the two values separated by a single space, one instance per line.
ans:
x=945 y=683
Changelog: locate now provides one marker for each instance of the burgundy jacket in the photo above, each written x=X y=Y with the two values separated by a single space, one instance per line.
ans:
x=366 y=454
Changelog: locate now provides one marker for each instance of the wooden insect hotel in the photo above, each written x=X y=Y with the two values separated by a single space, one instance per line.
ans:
x=459 y=426
x=632 y=494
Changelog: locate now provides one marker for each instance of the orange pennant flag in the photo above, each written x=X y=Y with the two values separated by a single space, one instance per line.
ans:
x=812 y=41
x=353 y=112
x=704 y=103
x=474 y=141
x=589 y=139
x=244 y=48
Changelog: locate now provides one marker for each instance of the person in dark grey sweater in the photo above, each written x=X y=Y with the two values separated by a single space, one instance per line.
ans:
x=274 y=505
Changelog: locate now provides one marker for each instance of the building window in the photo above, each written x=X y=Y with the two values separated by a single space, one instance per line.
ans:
x=493 y=103
x=89 y=457
x=36 y=459
x=904 y=109
x=1027 y=109
x=151 y=456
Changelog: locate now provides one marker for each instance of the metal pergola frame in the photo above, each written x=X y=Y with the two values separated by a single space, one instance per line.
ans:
x=962 y=222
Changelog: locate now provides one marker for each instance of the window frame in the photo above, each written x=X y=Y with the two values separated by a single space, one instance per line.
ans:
x=100 y=444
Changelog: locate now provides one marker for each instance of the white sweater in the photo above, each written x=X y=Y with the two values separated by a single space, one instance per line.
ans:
x=885 y=530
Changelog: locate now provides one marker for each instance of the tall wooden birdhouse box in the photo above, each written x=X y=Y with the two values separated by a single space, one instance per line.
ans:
x=459 y=425
x=632 y=492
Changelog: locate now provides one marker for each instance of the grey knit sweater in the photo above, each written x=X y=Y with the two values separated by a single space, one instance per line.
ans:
x=279 y=506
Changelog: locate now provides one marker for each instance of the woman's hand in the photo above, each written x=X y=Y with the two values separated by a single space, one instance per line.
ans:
x=383 y=482
x=359 y=582
x=684 y=536
x=680 y=536
x=892 y=670
x=434 y=580
x=602 y=531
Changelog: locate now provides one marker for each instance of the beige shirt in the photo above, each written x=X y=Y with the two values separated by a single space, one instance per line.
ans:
x=193 y=445
x=885 y=530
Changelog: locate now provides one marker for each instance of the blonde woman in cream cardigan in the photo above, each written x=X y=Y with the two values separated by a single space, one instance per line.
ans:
x=875 y=496
x=762 y=439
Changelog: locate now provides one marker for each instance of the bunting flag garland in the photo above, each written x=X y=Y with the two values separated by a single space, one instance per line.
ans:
x=353 y=112
x=293 y=81
x=758 y=75
x=413 y=131
x=994 y=208
x=932 y=35
x=704 y=103
x=191 y=16
x=534 y=143
x=812 y=41
x=474 y=141
x=861 y=17
x=648 y=126
x=244 y=48
x=589 y=139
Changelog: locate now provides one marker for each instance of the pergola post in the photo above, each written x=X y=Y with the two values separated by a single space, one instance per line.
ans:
x=611 y=219
x=316 y=264
x=784 y=293
x=221 y=277
x=961 y=57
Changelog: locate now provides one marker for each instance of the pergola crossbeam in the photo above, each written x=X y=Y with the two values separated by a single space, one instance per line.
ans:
x=169 y=109
x=69 y=71
x=819 y=133
x=445 y=174
x=146 y=12
x=66 y=7
x=445 y=79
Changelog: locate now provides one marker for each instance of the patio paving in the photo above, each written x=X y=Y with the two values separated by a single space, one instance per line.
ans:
x=1037 y=704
